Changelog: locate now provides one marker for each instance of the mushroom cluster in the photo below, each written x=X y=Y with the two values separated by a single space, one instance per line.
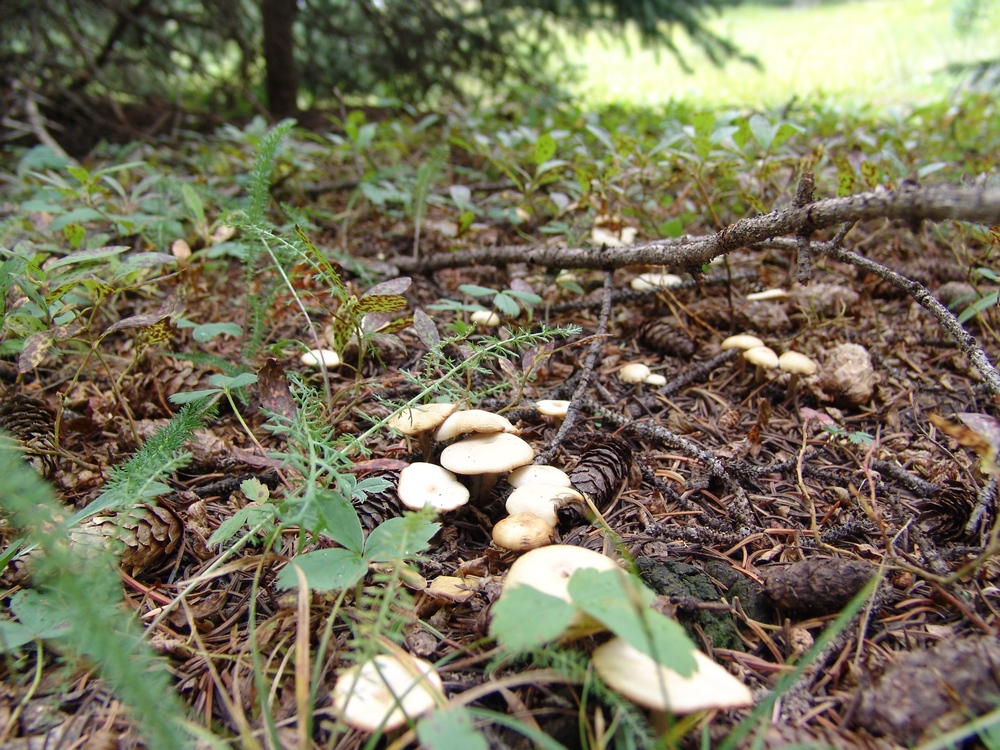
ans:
x=487 y=446
x=637 y=373
x=764 y=358
x=539 y=492
x=385 y=692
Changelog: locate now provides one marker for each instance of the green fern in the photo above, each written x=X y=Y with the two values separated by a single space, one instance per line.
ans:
x=87 y=591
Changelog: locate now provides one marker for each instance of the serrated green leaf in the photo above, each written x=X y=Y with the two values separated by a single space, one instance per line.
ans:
x=325 y=570
x=254 y=490
x=525 y=618
x=622 y=604
x=379 y=303
x=506 y=305
x=400 y=538
x=450 y=728
x=545 y=148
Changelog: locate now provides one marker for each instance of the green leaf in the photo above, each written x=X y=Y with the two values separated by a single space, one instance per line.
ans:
x=187 y=397
x=208 y=331
x=990 y=300
x=474 y=290
x=75 y=234
x=254 y=490
x=88 y=256
x=400 y=538
x=545 y=148
x=763 y=131
x=38 y=619
x=704 y=123
x=380 y=303
x=506 y=305
x=193 y=201
x=340 y=521
x=240 y=381
x=77 y=215
x=449 y=728
x=144 y=260
x=249 y=517
x=325 y=570
x=672 y=228
x=622 y=604
x=525 y=618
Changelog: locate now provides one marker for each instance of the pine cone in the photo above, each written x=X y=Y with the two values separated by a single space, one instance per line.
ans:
x=144 y=535
x=379 y=507
x=661 y=336
x=603 y=470
x=31 y=423
x=946 y=513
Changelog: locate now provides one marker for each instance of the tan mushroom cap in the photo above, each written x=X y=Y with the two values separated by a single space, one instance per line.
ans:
x=548 y=407
x=419 y=419
x=548 y=569
x=797 y=364
x=472 y=420
x=742 y=341
x=384 y=692
x=762 y=356
x=328 y=357
x=653 y=280
x=655 y=379
x=487 y=454
x=643 y=681
x=538 y=474
x=634 y=372
x=421 y=484
x=485 y=318
x=521 y=532
x=767 y=294
x=541 y=499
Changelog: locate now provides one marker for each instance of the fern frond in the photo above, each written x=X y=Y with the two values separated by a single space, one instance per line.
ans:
x=259 y=188
x=88 y=590
x=140 y=477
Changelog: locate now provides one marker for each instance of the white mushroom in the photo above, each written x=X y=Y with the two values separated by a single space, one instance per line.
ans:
x=767 y=294
x=642 y=680
x=538 y=474
x=742 y=341
x=521 y=532
x=422 y=484
x=384 y=693
x=548 y=569
x=472 y=421
x=419 y=421
x=763 y=358
x=541 y=499
x=485 y=318
x=554 y=408
x=656 y=380
x=646 y=281
x=328 y=357
x=482 y=457
x=634 y=372
x=797 y=365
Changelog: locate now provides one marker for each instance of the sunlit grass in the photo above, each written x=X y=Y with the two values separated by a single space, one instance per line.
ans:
x=879 y=52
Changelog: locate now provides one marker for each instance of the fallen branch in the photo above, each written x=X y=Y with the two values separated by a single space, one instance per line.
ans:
x=912 y=205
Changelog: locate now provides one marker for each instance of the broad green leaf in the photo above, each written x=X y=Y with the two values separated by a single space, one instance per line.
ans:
x=872 y=174
x=704 y=123
x=240 y=381
x=785 y=131
x=193 y=201
x=545 y=149
x=672 y=228
x=33 y=351
x=465 y=221
x=474 y=290
x=340 y=521
x=978 y=306
x=450 y=728
x=622 y=604
x=400 y=538
x=846 y=181
x=208 y=331
x=38 y=619
x=423 y=326
x=88 y=256
x=187 y=397
x=506 y=305
x=525 y=618
x=325 y=570
x=763 y=131
x=81 y=174
x=75 y=234
x=77 y=215
x=549 y=166
x=254 y=490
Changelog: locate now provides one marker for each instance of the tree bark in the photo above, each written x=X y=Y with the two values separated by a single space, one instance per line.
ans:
x=278 y=17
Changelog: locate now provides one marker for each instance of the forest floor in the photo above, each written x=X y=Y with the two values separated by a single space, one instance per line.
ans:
x=754 y=503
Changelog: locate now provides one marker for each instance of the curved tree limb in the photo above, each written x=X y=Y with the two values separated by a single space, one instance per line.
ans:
x=913 y=205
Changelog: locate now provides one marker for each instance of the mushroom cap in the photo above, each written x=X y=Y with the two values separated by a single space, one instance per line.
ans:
x=472 y=420
x=742 y=341
x=762 y=356
x=485 y=318
x=548 y=569
x=643 y=681
x=328 y=357
x=548 y=407
x=487 y=454
x=421 y=484
x=655 y=280
x=419 y=419
x=384 y=692
x=767 y=294
x=634 y=372
x=538 y=474
x=655 y=379
x=542 y=500
x=797 y=364
x=521 y=532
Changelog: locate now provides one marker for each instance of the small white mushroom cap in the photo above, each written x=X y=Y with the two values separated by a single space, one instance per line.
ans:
x=742 y=341
x=541 y=499
x=521 y=532
x=538 y=474
x=767 y=294
x=643 y=681
x=472 y=420
x=634 y=372
x=645 y=281
x=655 y=379
x=548 y=407
x=797 y=364
x=384 y=692
x=762 y=356
x=485 y=318
x=328 y=357
x=487 y=454
x=548 y=569
x=421 y=484
x=419 y=419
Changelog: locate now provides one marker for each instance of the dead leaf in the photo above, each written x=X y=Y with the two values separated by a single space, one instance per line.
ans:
x=275 y=395
x=980 y=432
